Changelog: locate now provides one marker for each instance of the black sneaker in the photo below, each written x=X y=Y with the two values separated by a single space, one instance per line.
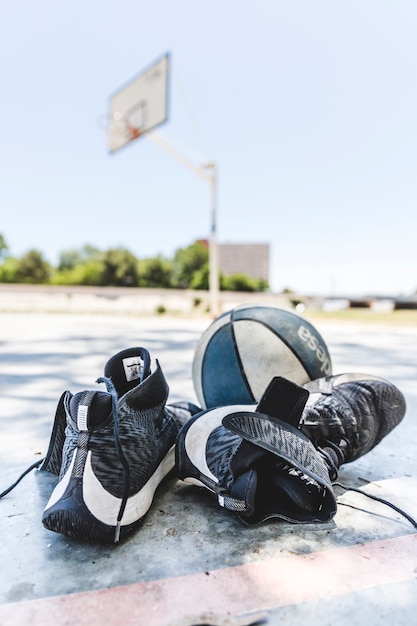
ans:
x=256 y=461
x=119 y=445
x=349 y=414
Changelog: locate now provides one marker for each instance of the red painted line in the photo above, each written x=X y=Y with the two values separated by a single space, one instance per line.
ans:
x=254 y=586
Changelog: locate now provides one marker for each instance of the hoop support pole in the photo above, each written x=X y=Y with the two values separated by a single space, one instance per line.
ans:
x=207 y=171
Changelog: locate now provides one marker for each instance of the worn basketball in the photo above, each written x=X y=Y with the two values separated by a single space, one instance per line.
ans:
x=243 y=349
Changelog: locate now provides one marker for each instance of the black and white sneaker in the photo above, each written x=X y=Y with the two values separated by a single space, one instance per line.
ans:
x=118 y=447
x=349 y=414
x=281 y=457
x=256 y=461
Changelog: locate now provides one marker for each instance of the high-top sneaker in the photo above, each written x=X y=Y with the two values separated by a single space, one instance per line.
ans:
x=256 y=461
x=119 y=445
x=349 y=414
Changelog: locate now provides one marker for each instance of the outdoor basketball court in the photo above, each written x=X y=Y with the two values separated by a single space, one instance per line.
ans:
x=191 y=562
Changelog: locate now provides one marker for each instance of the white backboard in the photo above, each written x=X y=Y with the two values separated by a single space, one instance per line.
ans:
x=139 y=106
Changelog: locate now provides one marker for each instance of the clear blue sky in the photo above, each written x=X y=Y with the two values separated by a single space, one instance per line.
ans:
x=309 y=108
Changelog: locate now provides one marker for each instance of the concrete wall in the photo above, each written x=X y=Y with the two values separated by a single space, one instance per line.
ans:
x=123 y=300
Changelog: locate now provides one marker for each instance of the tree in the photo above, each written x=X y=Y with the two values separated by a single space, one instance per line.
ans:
x=87 y=273
x=120 y=268
x=200 y=279
x=186 y=262
x=69 y=259
x=3 y=247
x=8 y=270
x=155 y=272
x=32 y=268
x=243 y=282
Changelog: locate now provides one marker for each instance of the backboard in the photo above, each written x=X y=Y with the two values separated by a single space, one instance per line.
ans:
x=139 y=106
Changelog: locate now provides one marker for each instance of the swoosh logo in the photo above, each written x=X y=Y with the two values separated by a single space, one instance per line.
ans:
x=105 y=507
x=200 y=430
x=102 y=504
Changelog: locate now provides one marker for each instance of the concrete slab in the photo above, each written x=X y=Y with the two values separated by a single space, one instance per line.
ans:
x=190 y=560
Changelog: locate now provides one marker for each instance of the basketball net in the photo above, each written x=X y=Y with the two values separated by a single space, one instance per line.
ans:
x=132 y=131
x=118 y=129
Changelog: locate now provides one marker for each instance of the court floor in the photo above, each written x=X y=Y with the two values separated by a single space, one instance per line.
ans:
x=191 y=562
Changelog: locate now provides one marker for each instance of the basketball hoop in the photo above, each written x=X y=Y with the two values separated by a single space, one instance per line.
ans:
x=139 y=106
x=132 y=131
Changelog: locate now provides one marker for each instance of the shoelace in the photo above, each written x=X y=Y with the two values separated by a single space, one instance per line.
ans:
x=382 y=500
x=29 y=469
x=334 y=455
x=125 y=465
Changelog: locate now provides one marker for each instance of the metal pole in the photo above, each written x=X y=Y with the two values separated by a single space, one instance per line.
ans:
x=213 y=250
x=208 y=171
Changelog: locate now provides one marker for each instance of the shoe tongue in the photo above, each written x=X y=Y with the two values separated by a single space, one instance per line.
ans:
x=89 y=409
x=128 y=368
x=245 y=476
x=285 y=400
x=244 y=489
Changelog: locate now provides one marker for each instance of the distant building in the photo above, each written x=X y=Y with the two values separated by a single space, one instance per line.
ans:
x=251 y=259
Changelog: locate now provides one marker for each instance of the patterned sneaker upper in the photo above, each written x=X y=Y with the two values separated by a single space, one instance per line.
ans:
x=351 y=413
x=144 y=431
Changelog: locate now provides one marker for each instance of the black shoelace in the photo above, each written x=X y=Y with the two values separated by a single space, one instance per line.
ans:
x=29 y=469
x=382 y=500
x=125 y=465
x=334 y=455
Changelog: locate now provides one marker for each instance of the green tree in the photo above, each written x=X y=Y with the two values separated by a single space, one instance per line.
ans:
x=243 y=282
x=200 y=279
x=79 y=266
x=120 y=268
x=69 y=259
x=32 y=268
x=87 y=273
x=186 y=262
x=3 y=247
x=8 y=270
x=156 y=272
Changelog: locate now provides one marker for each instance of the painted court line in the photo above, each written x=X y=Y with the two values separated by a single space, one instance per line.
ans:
x=262 y=585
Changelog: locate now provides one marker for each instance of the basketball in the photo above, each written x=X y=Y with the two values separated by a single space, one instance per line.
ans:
x=243 y=349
